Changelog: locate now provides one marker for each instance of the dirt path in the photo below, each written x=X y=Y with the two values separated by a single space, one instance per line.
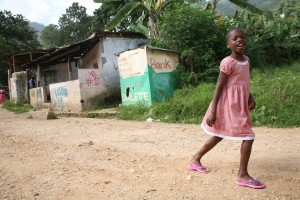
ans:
x=82 y=158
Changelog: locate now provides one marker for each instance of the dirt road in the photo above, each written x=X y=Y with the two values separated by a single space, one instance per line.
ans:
x=82 y=158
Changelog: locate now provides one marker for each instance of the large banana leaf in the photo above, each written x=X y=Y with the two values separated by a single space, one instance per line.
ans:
x=141 y=29
x=122 y=14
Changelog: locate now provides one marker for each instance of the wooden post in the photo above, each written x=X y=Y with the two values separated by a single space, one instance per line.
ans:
x=38 y=76
x=9 y=86
x=30 y=54
x=69 y=69
x=14 y=64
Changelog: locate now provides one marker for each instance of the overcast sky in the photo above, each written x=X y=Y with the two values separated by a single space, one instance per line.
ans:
x=44 y=11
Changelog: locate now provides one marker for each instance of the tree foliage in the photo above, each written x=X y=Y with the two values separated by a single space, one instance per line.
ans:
x=143 y=16
x=272 y=39
x=15 y=35
x=49 y=36
x=75 y=25
x=197 y=34
x=289 y=12
x=107 y=11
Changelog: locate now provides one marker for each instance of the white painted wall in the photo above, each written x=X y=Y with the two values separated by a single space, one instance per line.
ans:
x=19 y=88
x=65 y=96
x=92 y=88
x=133 y=62
x=37 y=97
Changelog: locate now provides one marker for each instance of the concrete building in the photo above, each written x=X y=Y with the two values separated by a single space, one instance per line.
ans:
x=147 y=75
x=76 y=77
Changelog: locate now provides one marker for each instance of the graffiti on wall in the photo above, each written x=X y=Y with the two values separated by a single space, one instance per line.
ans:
x=135 y=96
x=36 y=93
x=156 y=64
x=91 y=79
x=136 y=90
x=132 y=64
x=61 y=96
x=162 y=62
x=37 y=97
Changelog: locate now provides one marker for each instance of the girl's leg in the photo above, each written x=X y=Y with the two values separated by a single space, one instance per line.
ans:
x=246 y=149
x=213 y=141
x=243 y=174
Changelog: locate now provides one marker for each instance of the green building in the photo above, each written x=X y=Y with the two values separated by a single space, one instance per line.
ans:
x=147 y=75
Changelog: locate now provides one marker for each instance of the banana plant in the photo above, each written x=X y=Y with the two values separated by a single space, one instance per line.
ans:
x=149 y=10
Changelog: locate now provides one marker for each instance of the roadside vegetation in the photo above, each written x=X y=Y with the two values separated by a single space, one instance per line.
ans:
x=273 y=47
x=276 y=91
x=16 y=108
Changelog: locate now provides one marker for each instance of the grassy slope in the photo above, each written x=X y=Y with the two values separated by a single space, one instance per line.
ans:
x=276 y=91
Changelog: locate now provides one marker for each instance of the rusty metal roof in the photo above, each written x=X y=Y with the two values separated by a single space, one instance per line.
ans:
x=21 y=58
x=150 y=47
x=78 y=50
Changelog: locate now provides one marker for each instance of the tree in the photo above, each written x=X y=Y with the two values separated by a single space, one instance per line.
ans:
x=197 y=35
x=74 y=26
x=15 y=35
x=49 y=36
x=274 y=39
x=107 y=11
x=289 y=12
x=149 y=11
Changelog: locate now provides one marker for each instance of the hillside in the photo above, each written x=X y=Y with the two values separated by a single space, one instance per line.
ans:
x=38 y=27
x=227 y=8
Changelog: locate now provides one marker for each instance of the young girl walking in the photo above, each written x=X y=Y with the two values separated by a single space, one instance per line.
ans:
x=228 y=115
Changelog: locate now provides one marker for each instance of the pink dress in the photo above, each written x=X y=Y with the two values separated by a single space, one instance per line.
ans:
x=233 y=117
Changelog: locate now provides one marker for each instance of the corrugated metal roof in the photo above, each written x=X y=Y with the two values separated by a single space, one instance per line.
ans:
x=77 y=50
x=150 y=47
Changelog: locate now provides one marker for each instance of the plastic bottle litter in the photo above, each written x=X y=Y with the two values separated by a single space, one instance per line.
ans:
x=149 y=119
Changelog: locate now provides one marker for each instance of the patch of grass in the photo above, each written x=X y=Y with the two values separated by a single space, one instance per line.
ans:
x=186 y=106
x=277 y=94
x=137 y=112
x=17 y=108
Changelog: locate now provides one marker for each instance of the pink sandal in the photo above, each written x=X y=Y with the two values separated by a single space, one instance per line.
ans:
x=252 y=183
x=198 y=168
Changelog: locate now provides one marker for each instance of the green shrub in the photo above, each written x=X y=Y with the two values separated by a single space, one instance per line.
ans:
x=199 y=36
x=272 y=39
x=16 y=108
x=276 y=91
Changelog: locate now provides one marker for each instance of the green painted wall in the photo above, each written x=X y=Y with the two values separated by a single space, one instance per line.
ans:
x=148 y=88
x=136 y=89
x=147 y=75
x=162 y=84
